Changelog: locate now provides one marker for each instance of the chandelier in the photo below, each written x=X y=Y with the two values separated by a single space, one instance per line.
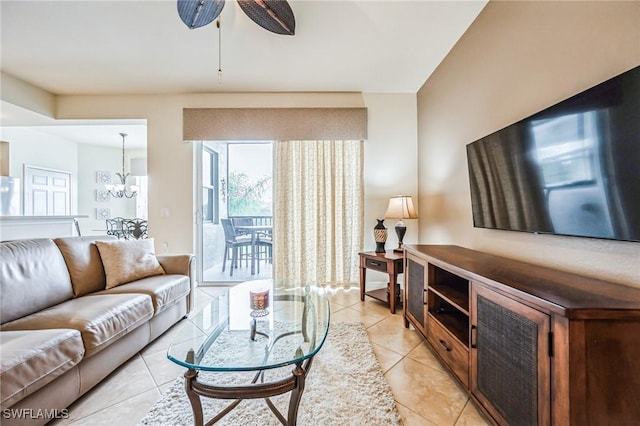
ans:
x=121 y=190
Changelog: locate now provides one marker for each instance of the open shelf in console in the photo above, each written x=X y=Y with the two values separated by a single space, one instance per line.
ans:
x=448 y=302
x=451 y=318
x=450 y=287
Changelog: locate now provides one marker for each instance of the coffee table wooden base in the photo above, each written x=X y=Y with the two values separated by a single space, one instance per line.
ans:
x=294 y=384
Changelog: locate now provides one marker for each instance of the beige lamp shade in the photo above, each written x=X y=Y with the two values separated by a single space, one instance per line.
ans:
x=401 y=207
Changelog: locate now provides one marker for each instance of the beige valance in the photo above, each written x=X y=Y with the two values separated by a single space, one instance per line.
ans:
x=274 y=123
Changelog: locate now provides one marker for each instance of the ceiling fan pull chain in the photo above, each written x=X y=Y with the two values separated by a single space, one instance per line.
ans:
x=219 y=52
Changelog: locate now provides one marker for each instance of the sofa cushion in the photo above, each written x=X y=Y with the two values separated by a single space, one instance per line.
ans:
x=101 y=319
x=33 y=358
x=33 y=276
x=128 y=260
x=164 y=290
x=84 y=263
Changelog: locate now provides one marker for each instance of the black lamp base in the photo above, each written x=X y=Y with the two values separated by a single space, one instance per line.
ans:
x=400 y=231
x=380 y=247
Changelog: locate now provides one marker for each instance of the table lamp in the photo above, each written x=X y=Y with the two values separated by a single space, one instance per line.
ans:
x=401 y=207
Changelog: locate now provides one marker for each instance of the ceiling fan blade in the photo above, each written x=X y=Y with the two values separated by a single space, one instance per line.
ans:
x=272 y=15
x=198 y=13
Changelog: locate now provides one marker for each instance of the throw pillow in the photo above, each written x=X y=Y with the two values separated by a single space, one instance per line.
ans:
x=128 y=260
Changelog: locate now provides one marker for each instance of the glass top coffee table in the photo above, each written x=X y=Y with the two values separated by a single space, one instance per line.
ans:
x=255 y=327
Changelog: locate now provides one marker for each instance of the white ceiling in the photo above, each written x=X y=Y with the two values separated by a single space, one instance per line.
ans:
x=142 y=47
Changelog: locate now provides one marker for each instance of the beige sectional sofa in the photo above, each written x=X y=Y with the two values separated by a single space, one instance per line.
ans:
x=63 y=330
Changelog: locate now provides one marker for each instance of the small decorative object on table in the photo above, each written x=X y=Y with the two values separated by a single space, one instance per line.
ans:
x=259 y=302
x=380 y=235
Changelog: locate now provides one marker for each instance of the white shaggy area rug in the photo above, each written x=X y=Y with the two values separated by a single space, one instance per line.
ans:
x=345 y=387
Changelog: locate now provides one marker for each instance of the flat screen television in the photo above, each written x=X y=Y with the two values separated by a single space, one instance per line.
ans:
x=571 y=169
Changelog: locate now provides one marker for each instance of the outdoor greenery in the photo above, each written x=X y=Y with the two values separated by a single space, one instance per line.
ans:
x=247 y=195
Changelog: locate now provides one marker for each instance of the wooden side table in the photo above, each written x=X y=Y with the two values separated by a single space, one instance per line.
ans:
x=389 y=262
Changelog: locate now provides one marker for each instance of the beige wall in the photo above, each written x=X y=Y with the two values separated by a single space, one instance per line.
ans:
x=18 y=95
x=390 y=162
x=390 y=151
x=516 y=59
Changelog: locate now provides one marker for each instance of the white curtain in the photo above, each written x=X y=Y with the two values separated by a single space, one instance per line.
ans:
x=318 y=210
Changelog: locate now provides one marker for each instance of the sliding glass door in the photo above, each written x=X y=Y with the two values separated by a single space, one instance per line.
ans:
x=235 y=188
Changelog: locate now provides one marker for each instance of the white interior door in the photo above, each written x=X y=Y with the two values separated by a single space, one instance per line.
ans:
x=46 y=192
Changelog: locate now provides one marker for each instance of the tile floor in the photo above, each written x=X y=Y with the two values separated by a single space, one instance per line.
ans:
x=240 y=274
x=424 y=391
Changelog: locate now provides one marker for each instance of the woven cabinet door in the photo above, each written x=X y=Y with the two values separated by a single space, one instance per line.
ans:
x=415 y=285
x=510 y=364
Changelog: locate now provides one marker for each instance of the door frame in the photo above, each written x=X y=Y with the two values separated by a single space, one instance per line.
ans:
x=199 y=147
x=197 y=158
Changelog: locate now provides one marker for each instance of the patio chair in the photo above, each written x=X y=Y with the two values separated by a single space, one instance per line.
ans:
x=234 y=242
x=241 y=221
